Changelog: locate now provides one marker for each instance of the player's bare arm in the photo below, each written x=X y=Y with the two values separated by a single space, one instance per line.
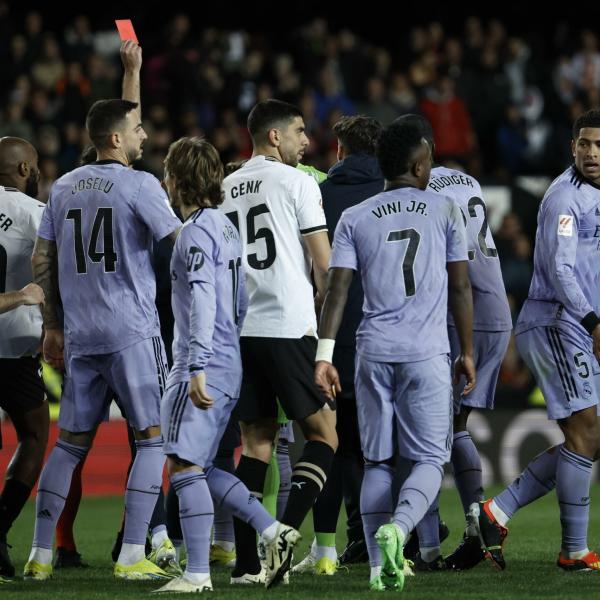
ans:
x=131 y=57
x=45 y=274
x=326 y=375
x=460 y=301
x=31 y=294
x=320 y=251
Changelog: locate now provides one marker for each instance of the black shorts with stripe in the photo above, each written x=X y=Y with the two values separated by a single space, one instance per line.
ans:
x=278 y=368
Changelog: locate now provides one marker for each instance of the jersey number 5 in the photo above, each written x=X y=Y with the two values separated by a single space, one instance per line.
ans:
x=413 y=237
x=256 y=234
x=103 y=220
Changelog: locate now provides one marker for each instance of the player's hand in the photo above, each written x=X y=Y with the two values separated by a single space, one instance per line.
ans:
x=53 y=348
x=197 y=392
x=464 y=365
x=596 y=342
x=32 y=294
x=131 y=55
x=327 y=379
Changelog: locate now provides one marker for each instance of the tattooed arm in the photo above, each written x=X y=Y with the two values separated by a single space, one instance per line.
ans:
x=45 y=273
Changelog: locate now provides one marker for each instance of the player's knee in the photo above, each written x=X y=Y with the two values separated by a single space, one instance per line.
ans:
x=148 y=433
x=83 y=439
x=175 y=465
x=388 y=462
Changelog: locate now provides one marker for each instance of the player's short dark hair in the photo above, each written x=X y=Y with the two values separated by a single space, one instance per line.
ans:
x=591 y=118
x=396 y=146
x=89 y=155
x=104 y=117
x=421 y=122
x=358 y=134
x=197 y=169
x=269 y=114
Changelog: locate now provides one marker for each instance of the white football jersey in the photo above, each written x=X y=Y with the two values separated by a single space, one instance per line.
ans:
x=20 y=215
x=273 y=206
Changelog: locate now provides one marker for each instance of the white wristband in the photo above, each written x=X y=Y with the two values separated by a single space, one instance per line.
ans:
x=325 y=350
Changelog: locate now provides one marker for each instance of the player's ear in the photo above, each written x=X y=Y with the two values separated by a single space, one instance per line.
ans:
x=573 y=144
x=274 y=136
x=23 y=169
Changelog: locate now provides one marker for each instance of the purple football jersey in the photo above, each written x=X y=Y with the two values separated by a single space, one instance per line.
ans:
x=491 y=311
x=566 y=265
x=209 y=301
x=103 y=217
x=400 y=241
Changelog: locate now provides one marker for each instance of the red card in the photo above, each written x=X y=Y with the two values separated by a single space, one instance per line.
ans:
x=126 y=31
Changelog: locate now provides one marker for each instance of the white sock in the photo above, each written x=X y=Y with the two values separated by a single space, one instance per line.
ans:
x=429 y=554
x=227 y=546
x=499 y=514
x=575 y=555
x=197 y=577
x=41 y=555
x=131 y=553
x=375 y=572
x=270 y=533
x=324 y=552
x=158 y=537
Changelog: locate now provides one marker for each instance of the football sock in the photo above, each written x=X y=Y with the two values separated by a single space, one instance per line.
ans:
x=573 y=477
x=227 y=490
x=376 y=505
x=196 y=516
x=64 y=527
x=143 y=486
x=308 y=478
x=172 y=518
x=53 y=488
x=537 y=479
x=223 y=525
x=417 y=494
x=271 y=489
x=252 y=473
x=466 y=465
x=428 y=531
x=285 y=476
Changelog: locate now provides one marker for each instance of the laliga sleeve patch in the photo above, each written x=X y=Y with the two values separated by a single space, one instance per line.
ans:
x=565 y=225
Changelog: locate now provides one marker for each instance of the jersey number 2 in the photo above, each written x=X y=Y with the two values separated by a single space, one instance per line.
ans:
x=103 y=220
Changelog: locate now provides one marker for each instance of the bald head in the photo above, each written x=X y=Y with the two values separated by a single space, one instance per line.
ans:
x=19 y=165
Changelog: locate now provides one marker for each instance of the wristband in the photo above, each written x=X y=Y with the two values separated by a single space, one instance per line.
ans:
x=325 y=350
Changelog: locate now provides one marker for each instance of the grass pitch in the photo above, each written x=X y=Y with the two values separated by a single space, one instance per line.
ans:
x=531 y=552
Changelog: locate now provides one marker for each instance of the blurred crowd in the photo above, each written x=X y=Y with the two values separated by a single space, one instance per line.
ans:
x=501 y=104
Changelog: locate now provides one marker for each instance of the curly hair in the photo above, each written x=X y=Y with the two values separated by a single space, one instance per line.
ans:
x=396 y=145
x=358 y=134
x=591 y=118
x=198 y=171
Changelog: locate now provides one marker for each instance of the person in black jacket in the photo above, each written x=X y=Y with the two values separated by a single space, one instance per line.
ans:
x=354 y=178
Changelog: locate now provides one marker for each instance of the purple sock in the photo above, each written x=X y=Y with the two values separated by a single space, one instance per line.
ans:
x=196 y=516
x=429 y=527
x=285 y=476
x=537 y=479
x=53 y=490
x=143 y=487
x=573 y=477
x=223 y=525
x=467 y=469
x=229 y=492
x=376 y=504
x=417 y=494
